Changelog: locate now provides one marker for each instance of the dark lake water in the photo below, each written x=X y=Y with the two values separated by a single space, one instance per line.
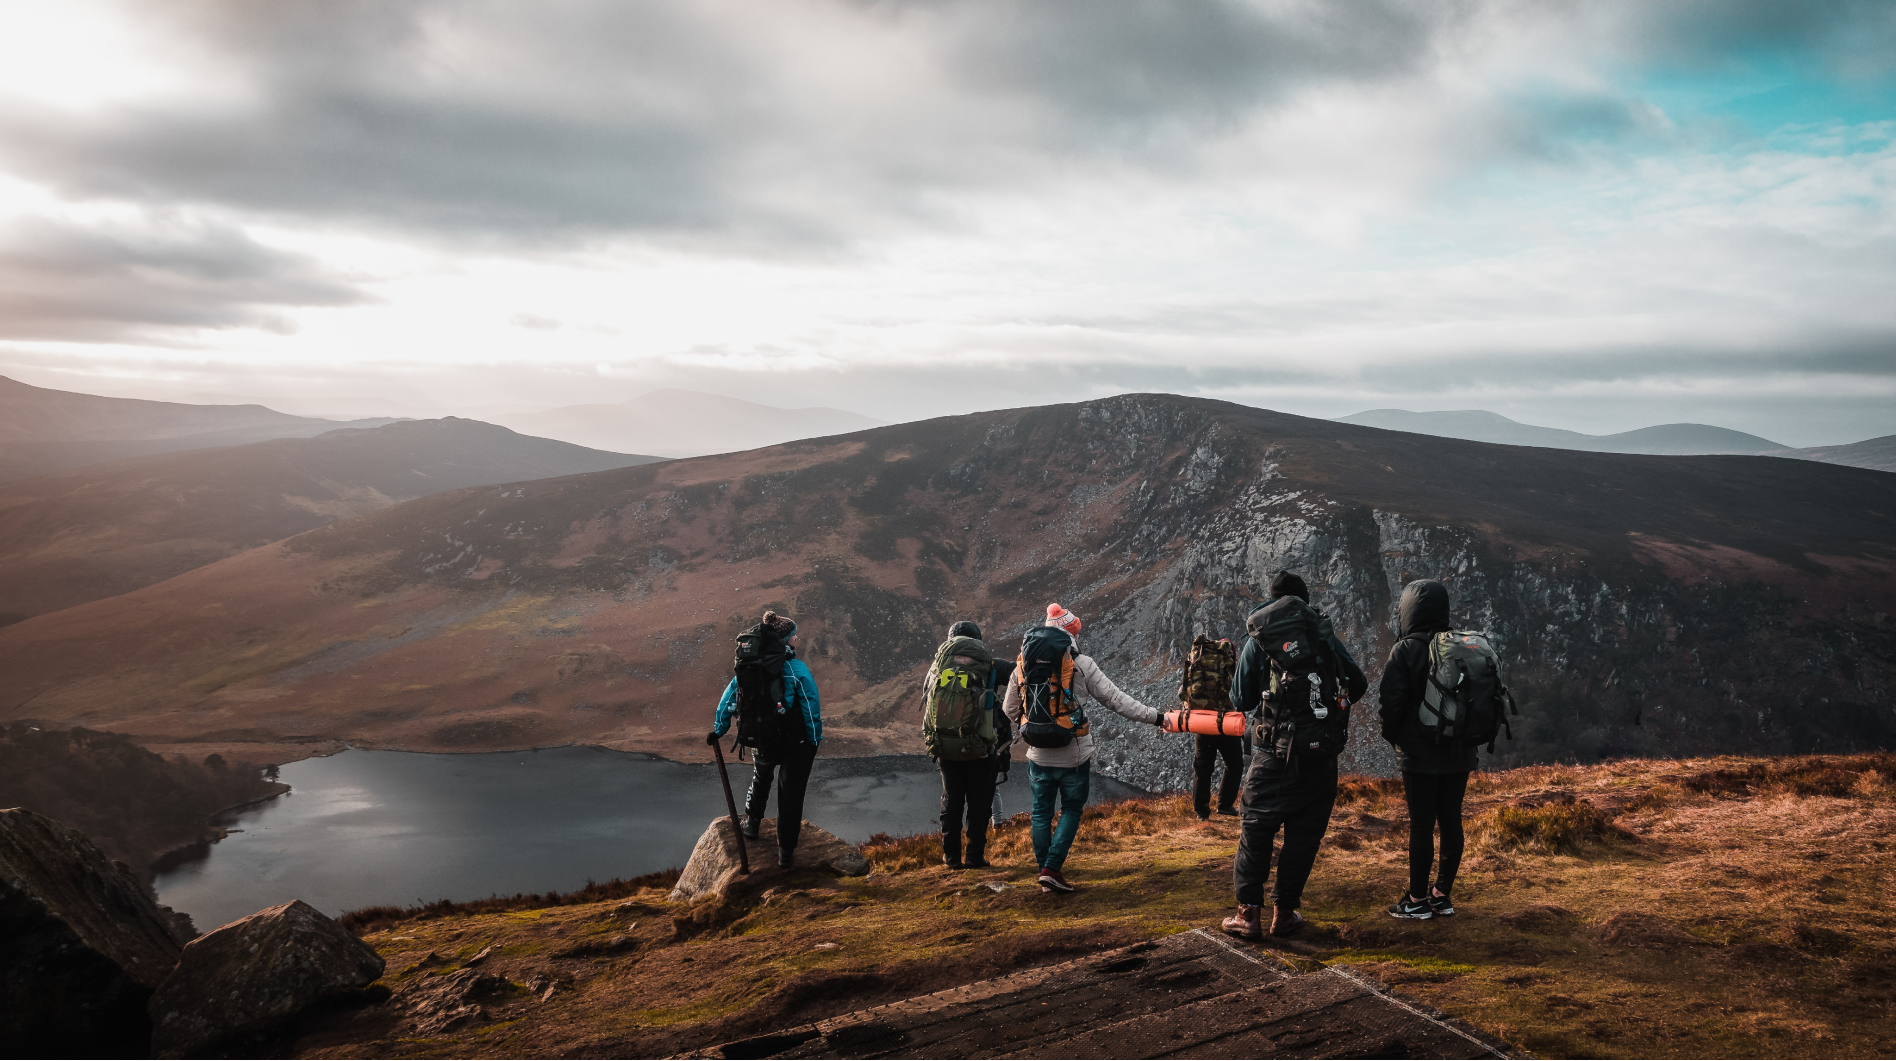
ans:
x=368 y=828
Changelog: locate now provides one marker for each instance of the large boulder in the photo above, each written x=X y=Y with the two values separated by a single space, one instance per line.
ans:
x=244 y=980
x=82 y=944
x=713 y=865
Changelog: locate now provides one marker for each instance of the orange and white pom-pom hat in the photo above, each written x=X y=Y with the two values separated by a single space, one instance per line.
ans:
x=1065 y=620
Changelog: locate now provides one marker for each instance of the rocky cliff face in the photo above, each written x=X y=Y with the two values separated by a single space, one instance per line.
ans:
x=1642 y=604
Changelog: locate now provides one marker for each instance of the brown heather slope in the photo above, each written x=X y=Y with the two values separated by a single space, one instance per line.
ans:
x=1711 y=908
x=1644 y=604
x=111 y=528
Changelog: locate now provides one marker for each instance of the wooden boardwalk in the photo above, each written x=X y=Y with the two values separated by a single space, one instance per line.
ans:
x=1196 y=994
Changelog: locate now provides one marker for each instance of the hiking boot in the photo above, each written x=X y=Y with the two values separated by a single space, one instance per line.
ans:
x=1440 y=903
x=1231 y=811
x=751 y=827
x=1052 y=881
x=1285 y=922
x=1203 y=815
x=974 y=861
x=1411 y=909
x=1246 y=923
x=951 y=849
x=786 y=857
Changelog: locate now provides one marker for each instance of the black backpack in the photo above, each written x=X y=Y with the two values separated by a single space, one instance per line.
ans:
x=1049 y=717
x=1302 y=713
x=762 y=718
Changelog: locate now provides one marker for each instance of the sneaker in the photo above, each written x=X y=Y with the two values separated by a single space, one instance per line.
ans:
x=1285 y=922
x=1246 y=923
x=1230 y=811
x=751 y=828
x=1412 y=909
x=1441 y=903
x=974 y=862
x=1204 y=815
x=1052 y=881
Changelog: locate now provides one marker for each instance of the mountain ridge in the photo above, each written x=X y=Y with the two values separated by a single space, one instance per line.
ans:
x=684 y=423
x=1480 y=425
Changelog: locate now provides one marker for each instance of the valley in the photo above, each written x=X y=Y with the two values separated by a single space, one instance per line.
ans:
x=1645 y=605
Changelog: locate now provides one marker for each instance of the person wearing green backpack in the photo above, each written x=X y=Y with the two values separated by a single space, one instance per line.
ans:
x=967 y=736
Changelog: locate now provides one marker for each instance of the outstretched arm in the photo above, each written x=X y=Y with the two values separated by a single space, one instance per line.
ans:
x=1088 y=679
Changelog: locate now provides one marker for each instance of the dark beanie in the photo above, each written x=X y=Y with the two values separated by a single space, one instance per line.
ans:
x=964 y=628
x=781 y=625
x=1285 y=584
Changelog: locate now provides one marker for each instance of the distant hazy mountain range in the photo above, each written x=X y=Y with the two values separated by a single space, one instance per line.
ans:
x=681 y=423
x=1479 y=425
x=107 y=529
x=44 y=431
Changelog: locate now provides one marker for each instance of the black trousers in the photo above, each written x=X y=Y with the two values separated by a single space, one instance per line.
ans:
x=791 y=766
x=1298 y=799
x=967 y=788
x=1206 y=751
x=1434 y=800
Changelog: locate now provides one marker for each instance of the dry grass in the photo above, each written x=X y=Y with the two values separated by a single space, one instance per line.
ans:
x=1718 y=907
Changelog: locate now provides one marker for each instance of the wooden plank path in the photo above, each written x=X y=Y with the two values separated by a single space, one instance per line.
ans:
x=1195 y=994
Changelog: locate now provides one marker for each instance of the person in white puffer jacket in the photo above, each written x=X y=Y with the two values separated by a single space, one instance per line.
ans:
x=1066 y=772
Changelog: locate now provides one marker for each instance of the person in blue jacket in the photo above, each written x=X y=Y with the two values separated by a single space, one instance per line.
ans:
x=789 y=757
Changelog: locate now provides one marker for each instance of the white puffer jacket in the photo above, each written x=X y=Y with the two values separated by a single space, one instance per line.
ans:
x=1087 y=682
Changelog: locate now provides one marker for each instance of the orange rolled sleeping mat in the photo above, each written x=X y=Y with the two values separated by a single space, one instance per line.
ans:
x=1206 y=722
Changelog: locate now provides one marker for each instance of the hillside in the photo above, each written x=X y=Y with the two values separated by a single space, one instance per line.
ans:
x=1712 y=908
x=1644 y=605
x=1876 y=453
x=1479 y=425
x=44 y=431
x=680 y=423
x=111 y=528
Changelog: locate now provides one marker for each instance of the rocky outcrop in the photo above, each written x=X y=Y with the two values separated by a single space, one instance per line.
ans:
x=245 y=979
x=713 y=865
x=82 y=944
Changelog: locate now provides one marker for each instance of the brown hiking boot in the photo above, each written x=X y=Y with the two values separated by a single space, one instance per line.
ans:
x=1246 y=923
x=1285 y=922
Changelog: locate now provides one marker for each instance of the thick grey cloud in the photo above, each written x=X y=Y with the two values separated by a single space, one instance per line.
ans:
x=146 y=282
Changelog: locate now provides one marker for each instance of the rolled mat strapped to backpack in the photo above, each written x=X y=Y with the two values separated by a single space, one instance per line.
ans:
x=1204 y=722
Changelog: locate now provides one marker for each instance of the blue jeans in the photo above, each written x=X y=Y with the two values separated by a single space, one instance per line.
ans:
x=1071 y=783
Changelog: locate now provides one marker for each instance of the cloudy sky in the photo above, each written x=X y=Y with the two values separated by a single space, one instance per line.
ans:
x=1590 y=215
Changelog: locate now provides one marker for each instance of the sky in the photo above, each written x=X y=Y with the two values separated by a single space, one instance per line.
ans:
x=1595 y=216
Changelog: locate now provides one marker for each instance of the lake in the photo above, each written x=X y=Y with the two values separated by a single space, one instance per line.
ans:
x=369 y=828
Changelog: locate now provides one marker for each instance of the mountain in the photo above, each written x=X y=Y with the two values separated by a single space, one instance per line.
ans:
x=1643 y=604
x=44 y=431
x=1877 y=453
x=110 y=528
x=1478 y=425
x=681 y=423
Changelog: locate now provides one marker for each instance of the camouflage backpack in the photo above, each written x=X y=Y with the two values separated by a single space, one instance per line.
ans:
x=1206 y=683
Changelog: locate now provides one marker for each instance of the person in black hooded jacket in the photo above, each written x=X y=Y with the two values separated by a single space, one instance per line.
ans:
x=1434 y=776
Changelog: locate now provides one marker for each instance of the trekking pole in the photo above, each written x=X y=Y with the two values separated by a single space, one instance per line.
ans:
x=743 y=847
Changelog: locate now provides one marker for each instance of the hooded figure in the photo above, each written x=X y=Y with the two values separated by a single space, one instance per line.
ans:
x=1434 y=776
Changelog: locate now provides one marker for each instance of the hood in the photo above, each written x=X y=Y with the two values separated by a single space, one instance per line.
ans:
x=1423 y=609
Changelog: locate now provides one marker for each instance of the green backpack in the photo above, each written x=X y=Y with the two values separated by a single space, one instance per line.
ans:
x=958 y=717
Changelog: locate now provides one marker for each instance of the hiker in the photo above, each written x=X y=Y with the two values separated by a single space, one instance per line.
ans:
x=1435 y=673
x=1041 y=700
x=967 y=736
x=780 y=718
x=1206 y=686
x=1290 y=656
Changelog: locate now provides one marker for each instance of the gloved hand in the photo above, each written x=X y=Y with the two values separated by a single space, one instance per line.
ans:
x=711 y=738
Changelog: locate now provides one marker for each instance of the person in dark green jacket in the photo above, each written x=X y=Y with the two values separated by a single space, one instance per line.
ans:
x=1434 y=776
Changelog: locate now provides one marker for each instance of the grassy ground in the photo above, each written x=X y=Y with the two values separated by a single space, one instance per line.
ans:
x=1720 y=907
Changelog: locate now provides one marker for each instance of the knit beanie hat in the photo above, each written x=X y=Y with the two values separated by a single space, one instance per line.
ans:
x=782 y=625
x=1285 y=584
x=1065 y=620
x=964 y=628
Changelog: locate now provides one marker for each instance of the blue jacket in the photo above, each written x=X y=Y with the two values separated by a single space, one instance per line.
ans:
x=799 y=691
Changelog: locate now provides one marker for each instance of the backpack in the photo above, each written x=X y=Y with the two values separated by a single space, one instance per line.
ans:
x=762 y=719
x=1206 y=683
x=1303 y=711
x=1049 y=718
x=958 y=715
x=1464 y=702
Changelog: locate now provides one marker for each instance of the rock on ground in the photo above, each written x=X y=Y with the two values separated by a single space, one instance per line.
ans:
x=713 y=864
x=82 y=944
x=245 y=979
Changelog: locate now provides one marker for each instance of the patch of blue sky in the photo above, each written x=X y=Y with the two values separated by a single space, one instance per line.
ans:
x=1790 y=103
